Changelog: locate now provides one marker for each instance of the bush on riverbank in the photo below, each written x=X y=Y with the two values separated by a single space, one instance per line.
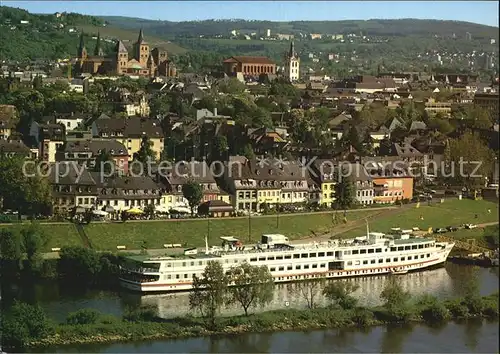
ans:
x=142 y=326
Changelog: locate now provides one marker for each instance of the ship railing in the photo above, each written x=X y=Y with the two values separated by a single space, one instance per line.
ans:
x=141 y=270
x=309 y=247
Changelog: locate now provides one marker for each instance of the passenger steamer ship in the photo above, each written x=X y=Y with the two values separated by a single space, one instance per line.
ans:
x=375 y=253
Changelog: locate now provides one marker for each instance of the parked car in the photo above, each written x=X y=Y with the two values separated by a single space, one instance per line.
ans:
x=470 y=226
x=452 y=228
x=441 y=230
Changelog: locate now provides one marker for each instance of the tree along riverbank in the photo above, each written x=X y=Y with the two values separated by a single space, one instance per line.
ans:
x=90 y=326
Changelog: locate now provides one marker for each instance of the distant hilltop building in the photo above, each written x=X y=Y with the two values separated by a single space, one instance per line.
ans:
x=141 y=62
x=286 y=37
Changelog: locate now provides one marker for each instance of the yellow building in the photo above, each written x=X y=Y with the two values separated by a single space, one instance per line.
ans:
x=130 y=132
x=323 y=174
x=48 y=138
x=269 y=196
x=5 y=131
x=327 y=193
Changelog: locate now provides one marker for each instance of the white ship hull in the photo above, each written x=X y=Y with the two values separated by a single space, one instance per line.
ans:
x=290 y=270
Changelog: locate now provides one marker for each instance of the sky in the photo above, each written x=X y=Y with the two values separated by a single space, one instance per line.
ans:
x=483 y=12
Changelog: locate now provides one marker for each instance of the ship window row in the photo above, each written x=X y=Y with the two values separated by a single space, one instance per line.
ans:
x=185 y=264
x=180 y=276
x=363 y=251
x=314 y=266
x=412 y=247
x=388 y=260
x=297 y=256
x=200 y=263
x=298 y=267
x=315 y=254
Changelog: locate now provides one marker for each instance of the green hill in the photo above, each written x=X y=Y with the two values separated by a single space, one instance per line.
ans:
x=405 y=44
x=27 y=36
x=375 y=27
x=130 y=36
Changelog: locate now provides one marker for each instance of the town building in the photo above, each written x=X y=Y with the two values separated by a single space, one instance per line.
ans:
x=432 y=107
x=8 y=120
x=391 y=182
x=85 y=152
x=197 y=171
x=323 y=173
x=72 y=187
x=133 y=104
x=489 y=102
x=130 y=132
x=362 y=181
x=47 y=138
x=366 y=84
x=11 y=148
x=70 y=121
x=292 y=64
x=121 y=193
x=248 y=66
x=255 y=185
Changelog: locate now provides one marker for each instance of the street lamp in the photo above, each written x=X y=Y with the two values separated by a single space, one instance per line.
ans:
x=208 y=227
x=278 y=211
x=249 y=226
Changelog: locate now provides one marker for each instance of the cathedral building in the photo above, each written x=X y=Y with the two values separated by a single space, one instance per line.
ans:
x=292 y=63
x=141 y=61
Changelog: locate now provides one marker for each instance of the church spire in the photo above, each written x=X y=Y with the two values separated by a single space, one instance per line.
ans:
x=98 y=50
x=141 y=37
x=82 y=51
x=292 y=49
x=81 y=47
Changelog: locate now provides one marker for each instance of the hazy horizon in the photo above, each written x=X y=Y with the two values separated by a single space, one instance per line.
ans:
x=479 y=12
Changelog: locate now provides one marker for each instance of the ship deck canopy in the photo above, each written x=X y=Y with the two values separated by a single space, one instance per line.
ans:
x=229 y=239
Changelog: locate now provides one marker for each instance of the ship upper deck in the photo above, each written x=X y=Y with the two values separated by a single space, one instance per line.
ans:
x=217 y=252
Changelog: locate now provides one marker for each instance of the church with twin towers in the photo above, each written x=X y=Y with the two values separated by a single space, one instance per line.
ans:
x=139 y=61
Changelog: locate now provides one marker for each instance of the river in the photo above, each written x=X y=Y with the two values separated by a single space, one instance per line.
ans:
x=58 y=301
x=443 y=282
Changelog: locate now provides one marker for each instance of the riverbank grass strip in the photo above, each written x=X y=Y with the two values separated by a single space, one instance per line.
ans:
x=142 y=326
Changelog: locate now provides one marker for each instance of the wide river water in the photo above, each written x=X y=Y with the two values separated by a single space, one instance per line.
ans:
x=446 y=282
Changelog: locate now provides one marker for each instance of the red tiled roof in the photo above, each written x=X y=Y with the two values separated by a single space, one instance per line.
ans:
x=249 y=60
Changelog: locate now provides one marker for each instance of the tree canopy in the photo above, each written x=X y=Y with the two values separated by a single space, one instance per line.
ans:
x=193 y=192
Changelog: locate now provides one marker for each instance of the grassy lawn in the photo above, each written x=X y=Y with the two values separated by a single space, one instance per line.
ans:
x=452 y=212
x=106 y=236
x=486 y=237
x=58 y=235
x=192 y=232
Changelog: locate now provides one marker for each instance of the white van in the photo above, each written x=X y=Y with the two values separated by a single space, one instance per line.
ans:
x=273 y=239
